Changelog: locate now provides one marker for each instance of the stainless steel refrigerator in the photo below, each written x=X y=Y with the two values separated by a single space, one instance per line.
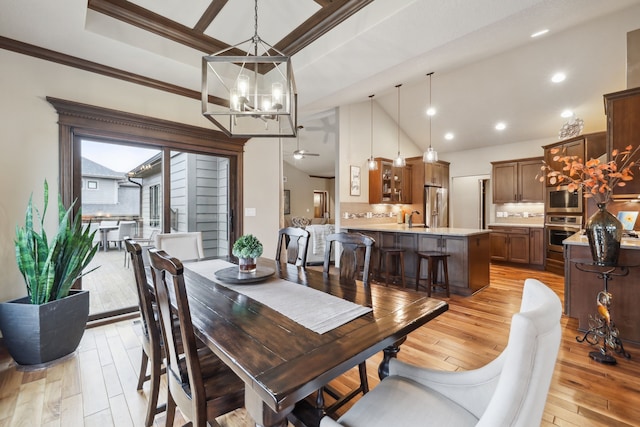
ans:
x=436 y=209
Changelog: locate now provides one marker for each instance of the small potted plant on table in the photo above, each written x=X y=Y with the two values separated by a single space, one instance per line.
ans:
x=247 y=249
x=49 y=322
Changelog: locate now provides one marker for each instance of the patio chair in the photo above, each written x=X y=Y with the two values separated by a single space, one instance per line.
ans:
x=117 y=236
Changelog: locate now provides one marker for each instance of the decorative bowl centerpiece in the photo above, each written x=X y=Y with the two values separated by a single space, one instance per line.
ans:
x=247 y=249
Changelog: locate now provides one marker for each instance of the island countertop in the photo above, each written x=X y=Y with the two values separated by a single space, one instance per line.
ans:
x=419 y=229
x=581 y=240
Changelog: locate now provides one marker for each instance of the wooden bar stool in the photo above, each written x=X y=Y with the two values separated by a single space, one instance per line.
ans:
x=390 y=254
x=434 y=259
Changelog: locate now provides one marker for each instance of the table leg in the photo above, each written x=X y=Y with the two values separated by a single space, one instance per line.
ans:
x=104 y=239
x=261 y=413
x=389 y=352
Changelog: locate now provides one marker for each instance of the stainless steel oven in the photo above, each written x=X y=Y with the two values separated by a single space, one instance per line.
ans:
x=560 y=227
x=560 y=200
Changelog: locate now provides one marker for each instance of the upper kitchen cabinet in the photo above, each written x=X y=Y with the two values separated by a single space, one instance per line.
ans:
x=623 y=129
x=390 y=184
x=436 y=174
x=592 y=145
x=515 y=181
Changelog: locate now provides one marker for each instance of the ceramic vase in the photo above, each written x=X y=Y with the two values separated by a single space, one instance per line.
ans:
x=604 y=232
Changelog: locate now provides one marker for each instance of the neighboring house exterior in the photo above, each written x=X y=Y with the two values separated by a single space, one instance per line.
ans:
x=107 y=193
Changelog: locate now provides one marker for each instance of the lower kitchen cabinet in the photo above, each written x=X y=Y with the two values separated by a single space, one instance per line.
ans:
x=521 y=245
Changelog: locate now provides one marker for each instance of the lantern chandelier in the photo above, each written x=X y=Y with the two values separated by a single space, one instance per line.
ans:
x=258 y=90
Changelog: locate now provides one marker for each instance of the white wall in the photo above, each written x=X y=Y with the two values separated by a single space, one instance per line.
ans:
x=29 y=141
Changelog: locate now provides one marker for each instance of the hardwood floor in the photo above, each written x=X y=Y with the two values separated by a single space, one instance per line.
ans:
x=96 y=386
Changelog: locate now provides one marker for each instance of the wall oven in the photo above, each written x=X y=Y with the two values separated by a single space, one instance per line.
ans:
x=560 y=227
x=560 y=200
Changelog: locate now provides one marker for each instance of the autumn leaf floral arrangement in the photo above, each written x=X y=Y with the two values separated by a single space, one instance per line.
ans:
x=596 y=179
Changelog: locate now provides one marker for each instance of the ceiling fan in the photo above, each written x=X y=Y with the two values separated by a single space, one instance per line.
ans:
x=300 y=154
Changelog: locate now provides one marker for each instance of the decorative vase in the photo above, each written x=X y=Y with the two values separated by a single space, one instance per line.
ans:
x=604 y=232
x=247 y=265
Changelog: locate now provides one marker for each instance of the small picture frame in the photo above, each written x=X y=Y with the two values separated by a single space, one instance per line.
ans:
x=287 y=202
x=355 y=181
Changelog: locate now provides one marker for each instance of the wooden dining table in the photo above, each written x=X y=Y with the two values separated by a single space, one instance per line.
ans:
x=280 y=361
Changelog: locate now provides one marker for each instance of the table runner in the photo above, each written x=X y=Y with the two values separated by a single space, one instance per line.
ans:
x=313 y=309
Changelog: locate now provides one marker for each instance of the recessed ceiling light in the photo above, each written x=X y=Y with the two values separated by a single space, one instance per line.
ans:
x=566 y=113
x=449 y=136
x=501 y=126
x=539 y=33
x=558 y=77
x=431 y=111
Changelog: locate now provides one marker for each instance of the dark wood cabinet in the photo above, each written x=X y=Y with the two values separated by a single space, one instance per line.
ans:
x=390 y=184
x=623 y=129
x=592 y=145
x=510 y=244
x=436 y=174
x=427 y=174
x=515 y=181
x=536 y=246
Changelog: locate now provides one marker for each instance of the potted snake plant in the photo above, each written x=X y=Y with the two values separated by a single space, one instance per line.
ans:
x=49 y=322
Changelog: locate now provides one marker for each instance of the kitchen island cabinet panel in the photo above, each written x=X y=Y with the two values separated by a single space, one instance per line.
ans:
x=468 y=249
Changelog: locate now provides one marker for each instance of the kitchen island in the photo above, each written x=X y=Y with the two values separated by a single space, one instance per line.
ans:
x=468 y=248
x=581 y=288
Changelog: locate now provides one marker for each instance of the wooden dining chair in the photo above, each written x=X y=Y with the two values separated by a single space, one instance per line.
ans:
x=351 y=262
x=152 y=352
x=200 y=384
x=296 y=242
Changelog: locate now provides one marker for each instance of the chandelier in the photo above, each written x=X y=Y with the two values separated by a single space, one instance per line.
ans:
x=431 y=155
x=257 y=89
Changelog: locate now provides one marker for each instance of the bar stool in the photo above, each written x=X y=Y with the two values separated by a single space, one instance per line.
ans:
x=434 y=259
x=388 y=254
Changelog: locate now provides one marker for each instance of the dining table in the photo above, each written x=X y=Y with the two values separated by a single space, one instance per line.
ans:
x=279 y=334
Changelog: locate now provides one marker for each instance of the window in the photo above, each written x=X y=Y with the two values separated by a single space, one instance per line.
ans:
x=154 y=206
x=92 y=185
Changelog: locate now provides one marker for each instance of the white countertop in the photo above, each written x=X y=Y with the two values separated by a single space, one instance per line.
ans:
x=417 y=229
x=581 y=240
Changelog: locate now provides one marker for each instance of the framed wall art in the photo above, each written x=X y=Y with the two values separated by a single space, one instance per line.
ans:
x=355 y=181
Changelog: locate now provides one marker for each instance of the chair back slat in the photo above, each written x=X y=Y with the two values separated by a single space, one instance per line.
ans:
x=352 y=261
x=145 y=294
x=296 y=243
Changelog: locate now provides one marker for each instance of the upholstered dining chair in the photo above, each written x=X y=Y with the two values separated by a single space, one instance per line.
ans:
x=185 y=245
x=125 y=229
x=509 y=391
x=200 y=384
x=351 y=261
x=152 y=353
x=295 y=242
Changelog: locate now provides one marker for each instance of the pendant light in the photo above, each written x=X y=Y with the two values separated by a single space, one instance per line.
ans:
x=373 y=165
x=431 y=155
x=399 y=161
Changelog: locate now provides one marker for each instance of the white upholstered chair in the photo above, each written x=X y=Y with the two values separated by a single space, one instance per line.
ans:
x=125 y=229
x=509 y=391
x=184 y=246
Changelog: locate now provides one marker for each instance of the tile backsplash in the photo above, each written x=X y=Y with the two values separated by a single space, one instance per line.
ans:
x=520 y=213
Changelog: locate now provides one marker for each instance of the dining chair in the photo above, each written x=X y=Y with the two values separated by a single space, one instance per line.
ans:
x=350 y=262
x=295 y=242
x=152 y=352
x=200 y=384
x=511 y=390
x=183 y=245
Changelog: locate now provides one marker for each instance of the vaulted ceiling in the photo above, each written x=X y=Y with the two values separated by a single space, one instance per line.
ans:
x=487 y=67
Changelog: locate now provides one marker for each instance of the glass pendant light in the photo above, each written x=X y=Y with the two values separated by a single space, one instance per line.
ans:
x=371 y=162
x=399 y=161
x=431 y=155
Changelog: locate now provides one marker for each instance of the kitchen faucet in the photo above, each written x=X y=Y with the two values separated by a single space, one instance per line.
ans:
x=411 y=218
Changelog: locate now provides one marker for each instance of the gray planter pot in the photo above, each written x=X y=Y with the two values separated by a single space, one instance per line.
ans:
x=37 y=334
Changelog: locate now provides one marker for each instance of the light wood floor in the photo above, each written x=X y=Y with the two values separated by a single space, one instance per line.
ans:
x=96 y=387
